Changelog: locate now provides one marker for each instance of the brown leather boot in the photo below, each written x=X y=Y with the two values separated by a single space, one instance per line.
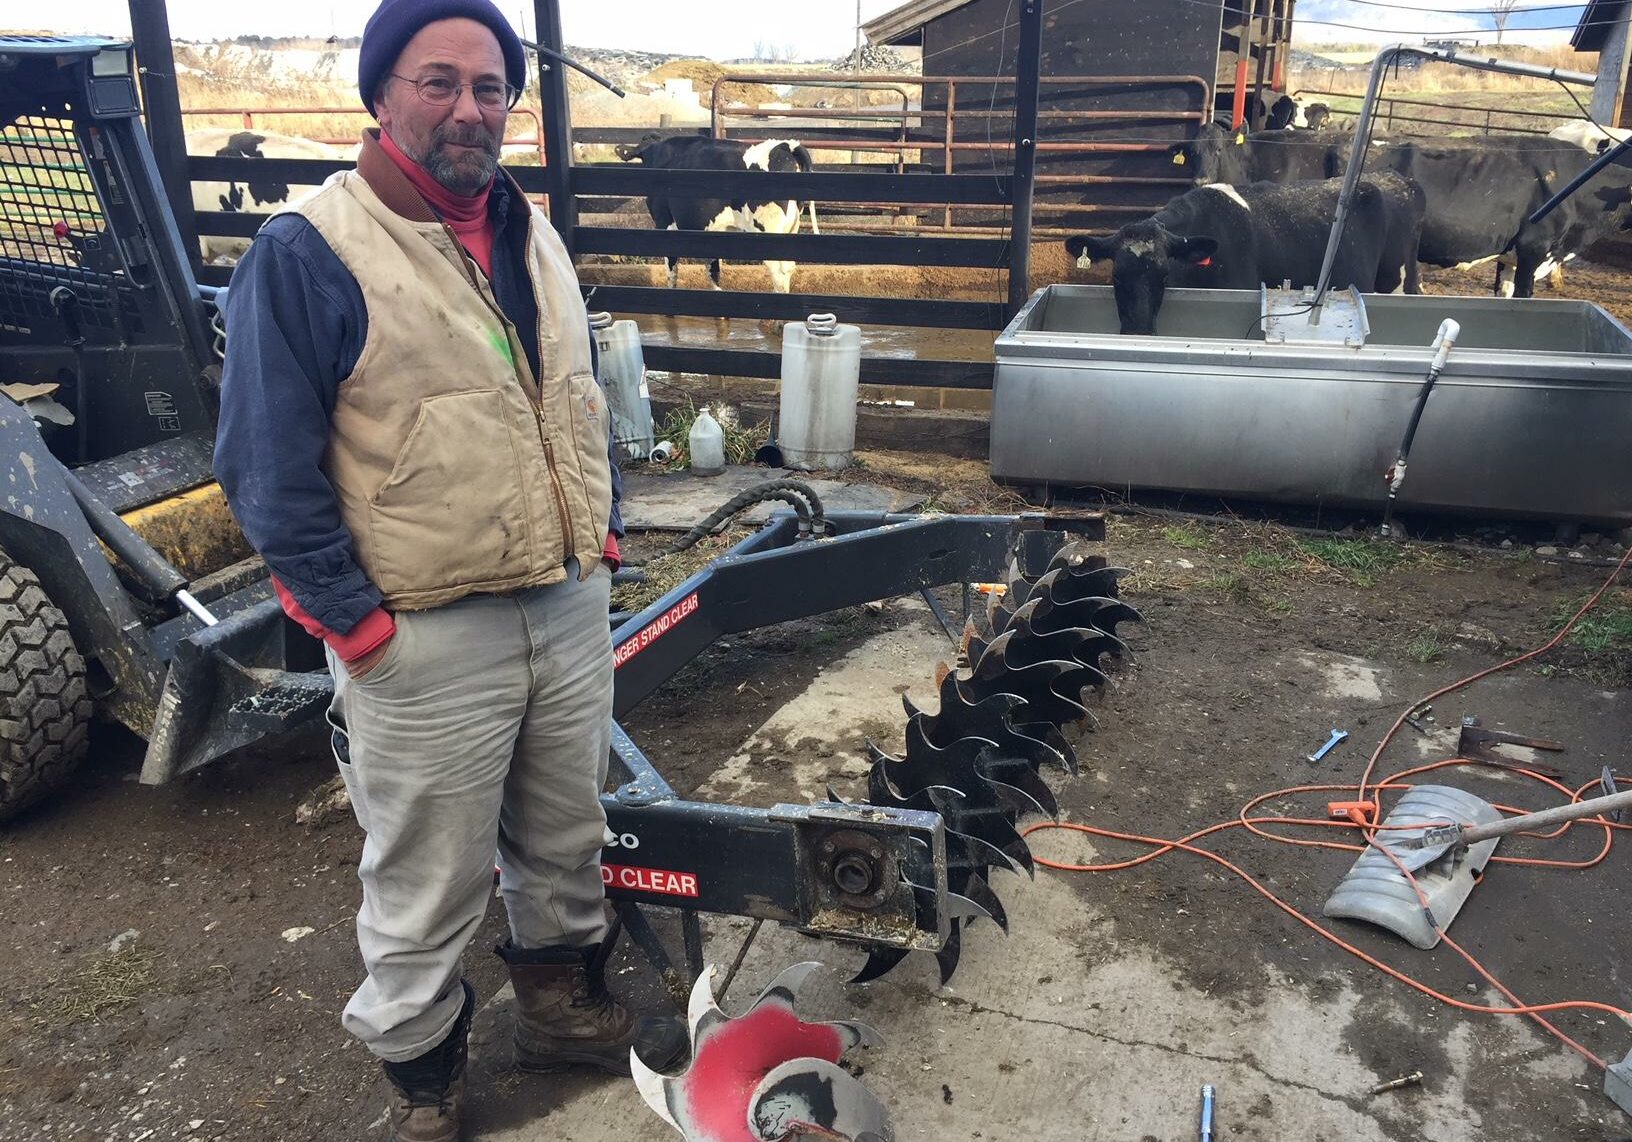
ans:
x=427 y=1093
x=566 y=1017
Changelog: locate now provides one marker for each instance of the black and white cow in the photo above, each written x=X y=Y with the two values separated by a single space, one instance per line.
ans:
x=255 y=195
x=1224 y=237
x=1290 y=114
x=699 y=152
x=1588 y=136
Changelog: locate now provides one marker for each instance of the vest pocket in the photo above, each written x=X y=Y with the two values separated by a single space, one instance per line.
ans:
x=452 y=512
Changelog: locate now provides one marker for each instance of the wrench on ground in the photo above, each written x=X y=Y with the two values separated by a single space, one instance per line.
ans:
x=1331 y=744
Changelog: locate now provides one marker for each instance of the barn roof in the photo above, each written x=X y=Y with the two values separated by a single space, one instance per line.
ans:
x=908 y=18
x=1597 y=19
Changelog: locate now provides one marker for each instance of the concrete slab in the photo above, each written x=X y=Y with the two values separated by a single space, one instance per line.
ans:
x=1077 y=1025
x=1059 y=1033
x=677 y=500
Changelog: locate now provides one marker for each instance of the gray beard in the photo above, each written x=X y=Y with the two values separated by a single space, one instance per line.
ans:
x=465 y=175
x=463 y=172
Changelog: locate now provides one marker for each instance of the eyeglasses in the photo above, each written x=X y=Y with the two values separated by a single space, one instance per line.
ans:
x=440 y=91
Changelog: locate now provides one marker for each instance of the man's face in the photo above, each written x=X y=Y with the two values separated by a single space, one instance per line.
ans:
x=458 y=145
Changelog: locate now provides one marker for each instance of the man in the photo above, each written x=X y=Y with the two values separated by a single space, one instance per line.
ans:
x=412 y=437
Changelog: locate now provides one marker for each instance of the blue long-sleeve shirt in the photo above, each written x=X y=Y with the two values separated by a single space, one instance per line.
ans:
x=296 y=325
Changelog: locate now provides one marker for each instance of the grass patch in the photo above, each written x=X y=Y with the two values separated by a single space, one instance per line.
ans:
x=1235 y=586
x=1270 y=561
x=99 y=987
x=1606 y=629
x=1427 y=646
x=1187 y=538
x=1363 y=561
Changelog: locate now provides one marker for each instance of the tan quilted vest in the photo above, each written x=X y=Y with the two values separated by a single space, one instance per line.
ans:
x=456 y=469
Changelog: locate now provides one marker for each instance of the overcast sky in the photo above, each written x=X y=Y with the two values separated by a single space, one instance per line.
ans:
x=726 y=29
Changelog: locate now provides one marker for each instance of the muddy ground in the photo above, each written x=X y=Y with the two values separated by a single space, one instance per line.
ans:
x=158 y=983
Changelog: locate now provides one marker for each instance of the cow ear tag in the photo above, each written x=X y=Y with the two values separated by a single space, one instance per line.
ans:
x=1084 y=261
x=1178 y=159
x=1240 y=138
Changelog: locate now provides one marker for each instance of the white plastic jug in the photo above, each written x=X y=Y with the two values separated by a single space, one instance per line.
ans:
x=821 y=368
x=706 y=446
x=623 y=376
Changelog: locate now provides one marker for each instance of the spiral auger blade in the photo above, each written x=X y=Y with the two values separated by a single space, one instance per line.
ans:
x=982 y=809
x=1047 y=687
x=977 y=760
x=990 y=718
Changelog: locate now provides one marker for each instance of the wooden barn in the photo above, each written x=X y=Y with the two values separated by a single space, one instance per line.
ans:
x=1120 y=83
x=1603 y=29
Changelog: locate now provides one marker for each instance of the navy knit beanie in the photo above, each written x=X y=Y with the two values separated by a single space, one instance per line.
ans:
x=395 y=22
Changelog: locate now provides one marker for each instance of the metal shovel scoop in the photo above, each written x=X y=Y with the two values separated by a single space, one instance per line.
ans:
x=1445 y=858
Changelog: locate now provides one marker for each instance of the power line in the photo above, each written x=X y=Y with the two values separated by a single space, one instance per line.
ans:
x=1214 y=5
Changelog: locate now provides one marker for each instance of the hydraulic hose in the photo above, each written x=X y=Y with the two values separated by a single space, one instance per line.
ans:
x=796 y=493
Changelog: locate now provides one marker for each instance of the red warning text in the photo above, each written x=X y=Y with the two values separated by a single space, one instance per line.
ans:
x=658 y=880
x=654 y=630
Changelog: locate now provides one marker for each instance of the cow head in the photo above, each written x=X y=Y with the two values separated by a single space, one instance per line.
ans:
x=1141 y=254
x=1214 y=155
x=629 y=152
x=1316 y=115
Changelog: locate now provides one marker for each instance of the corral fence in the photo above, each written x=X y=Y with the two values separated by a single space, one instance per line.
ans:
x=1413 y=113
x=251 y=118
x=1003 y=190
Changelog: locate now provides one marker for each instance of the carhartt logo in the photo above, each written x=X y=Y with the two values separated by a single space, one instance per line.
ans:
x=592 y=407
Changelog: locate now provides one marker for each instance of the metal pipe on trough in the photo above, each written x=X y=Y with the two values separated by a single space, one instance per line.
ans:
x=1027 y=70
x=1362 y=128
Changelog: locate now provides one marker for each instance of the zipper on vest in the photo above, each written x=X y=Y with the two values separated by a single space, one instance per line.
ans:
x=535 y=395
x=568 y=542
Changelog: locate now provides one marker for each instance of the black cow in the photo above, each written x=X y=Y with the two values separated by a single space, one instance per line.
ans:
x=1218 y=154
x=1480 y=190
x=1224 y=237
x=1481 y=193
x=699 y=152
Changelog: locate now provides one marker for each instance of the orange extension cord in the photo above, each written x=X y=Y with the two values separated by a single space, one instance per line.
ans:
x=1256 y=825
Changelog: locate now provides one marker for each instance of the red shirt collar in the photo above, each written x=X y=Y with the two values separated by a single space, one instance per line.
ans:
x=453 y=208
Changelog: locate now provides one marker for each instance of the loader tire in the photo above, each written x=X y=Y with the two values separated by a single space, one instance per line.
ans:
x=45 y=711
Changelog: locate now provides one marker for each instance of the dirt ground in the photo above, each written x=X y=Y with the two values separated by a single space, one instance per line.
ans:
x=177 y=957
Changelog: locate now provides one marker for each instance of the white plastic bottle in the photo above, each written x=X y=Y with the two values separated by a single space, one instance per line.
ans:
x=821 y=369
x=706 y=446
x=623 y=376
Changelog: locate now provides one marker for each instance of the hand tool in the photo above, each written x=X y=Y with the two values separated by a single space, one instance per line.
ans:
x=1208 y=1094
x=1476 y=745
x=1435 y=842
x=1331 y=744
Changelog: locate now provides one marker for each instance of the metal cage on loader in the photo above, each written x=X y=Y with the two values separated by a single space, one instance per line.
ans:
x=127 y=591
